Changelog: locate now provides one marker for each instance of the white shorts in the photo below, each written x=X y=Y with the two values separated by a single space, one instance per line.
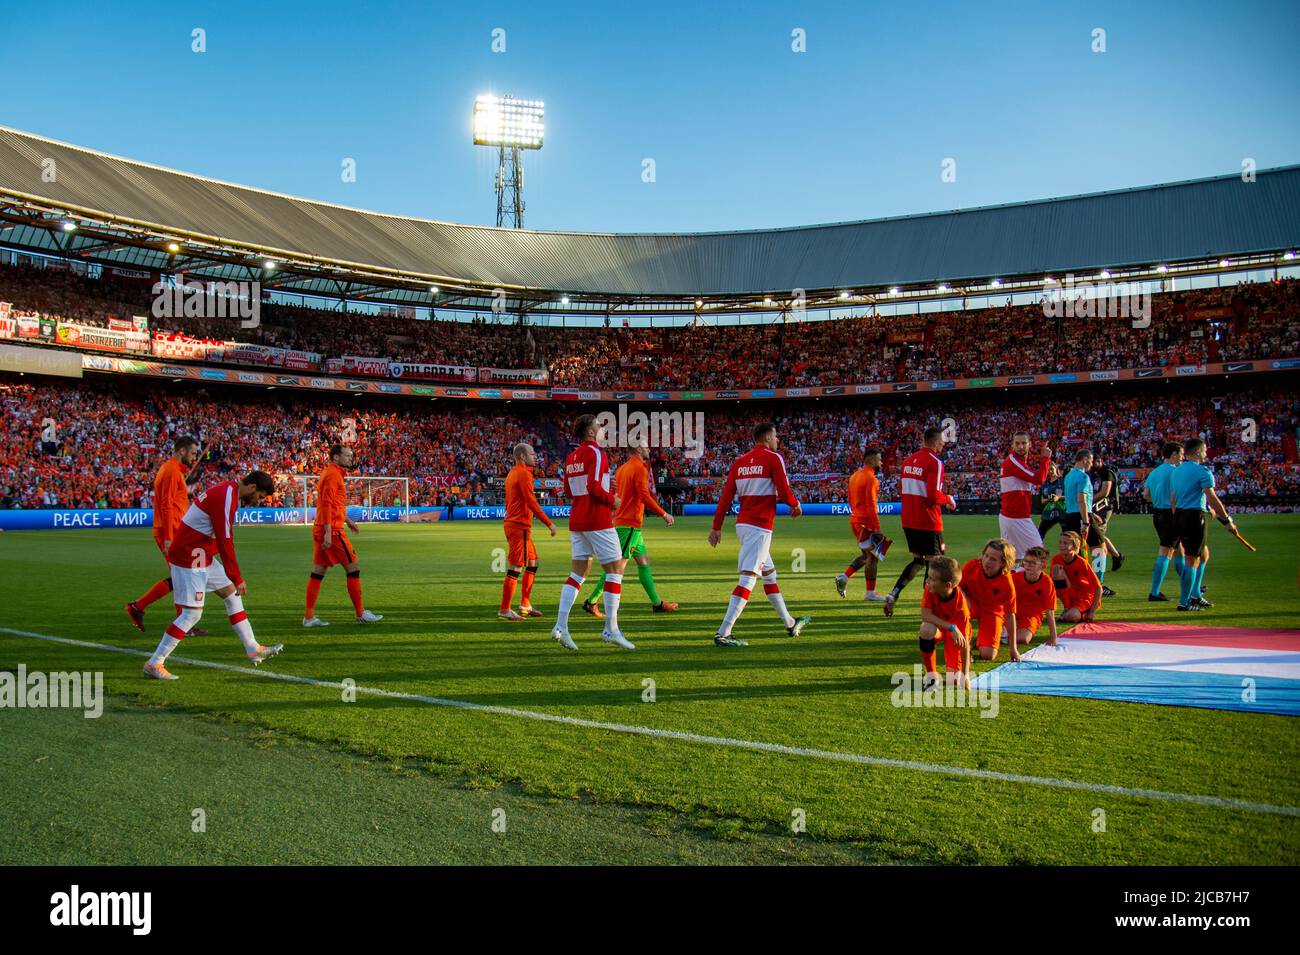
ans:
x=189 y=584
x=1021 y=533
x=755 y=548
x=603 y=545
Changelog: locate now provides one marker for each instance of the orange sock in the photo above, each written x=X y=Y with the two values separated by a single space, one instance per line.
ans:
x=508 y=589
x=850 y=570
x=154 y=593
x=354 y=591
x=313 y=591
x=927 y=658
x=526 y=598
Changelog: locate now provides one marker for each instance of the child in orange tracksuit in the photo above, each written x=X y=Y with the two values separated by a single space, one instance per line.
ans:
x=991 y=593
x=945 y=616
x=1076 y=582
x=1035 y=597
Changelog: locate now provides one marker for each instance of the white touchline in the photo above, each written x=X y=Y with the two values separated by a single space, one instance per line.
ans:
x=779 y=748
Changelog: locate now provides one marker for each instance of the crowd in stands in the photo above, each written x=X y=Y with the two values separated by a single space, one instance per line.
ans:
x=1190 y=327
x=98 y=442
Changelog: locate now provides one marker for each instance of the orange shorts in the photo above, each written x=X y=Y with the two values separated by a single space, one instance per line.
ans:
x=863 y=529
x=990 y=626
x=1080 y=600
x=339 y=552
x=521 y=551
x=1031 y=624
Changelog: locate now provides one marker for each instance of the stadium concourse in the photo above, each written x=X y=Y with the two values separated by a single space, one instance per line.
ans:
x=111 y=433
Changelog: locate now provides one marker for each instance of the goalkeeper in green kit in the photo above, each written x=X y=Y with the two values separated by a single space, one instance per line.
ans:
x=633 y=494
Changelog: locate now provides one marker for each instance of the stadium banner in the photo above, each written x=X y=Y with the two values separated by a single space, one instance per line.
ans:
x=120 y=517
x=5 y=309
x=906 y=338
x=835 y=508
x=173 y=345
x=513 y=376
x=40 y=361
x=101 y=339
x=122 y=325
x=8 y=326
x=497 y=512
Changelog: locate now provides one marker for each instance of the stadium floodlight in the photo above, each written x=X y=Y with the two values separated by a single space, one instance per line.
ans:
x=433 y=290
x=1224 y=263
x=1104 y=274
x=996 y=283
x=69 y=225
x=511 y=125
x=269 y=265
x=1289 y=256
x=1163 y=269
x=894 y=290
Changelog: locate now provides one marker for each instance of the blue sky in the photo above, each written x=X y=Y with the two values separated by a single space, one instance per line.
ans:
x=744 y=132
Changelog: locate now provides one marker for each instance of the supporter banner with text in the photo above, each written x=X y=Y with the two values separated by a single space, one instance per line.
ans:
x=102 y=339
x=513 y=376
x=122 y=517
x=383 y=368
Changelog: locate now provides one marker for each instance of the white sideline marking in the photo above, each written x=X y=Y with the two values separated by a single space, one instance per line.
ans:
x=780 y=748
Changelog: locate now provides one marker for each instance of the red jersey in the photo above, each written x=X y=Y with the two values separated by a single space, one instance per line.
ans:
x=955 y=609
x=758 y=477
x=1035 y=599
x=206 y=530
x=864 y=496
x=985 y=594
x=923 y=493
x=1019 y=481
x=586 y=482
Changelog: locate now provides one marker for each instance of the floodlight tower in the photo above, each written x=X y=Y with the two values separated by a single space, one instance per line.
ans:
x=511 y=125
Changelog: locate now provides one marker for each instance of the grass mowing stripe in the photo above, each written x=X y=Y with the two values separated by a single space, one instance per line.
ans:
x=779 y=748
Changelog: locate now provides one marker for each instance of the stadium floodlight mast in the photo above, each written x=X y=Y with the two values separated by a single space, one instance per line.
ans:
x=511 y=125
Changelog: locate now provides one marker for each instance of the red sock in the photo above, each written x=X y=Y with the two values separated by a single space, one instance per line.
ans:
x=154 y=593
x=870 y=582
x=313 y=591
x=508 y=590
x=354 y=591
x=850 y=570
x=526 y=598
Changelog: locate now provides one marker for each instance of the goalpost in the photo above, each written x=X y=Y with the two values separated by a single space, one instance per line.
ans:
x=370 y=492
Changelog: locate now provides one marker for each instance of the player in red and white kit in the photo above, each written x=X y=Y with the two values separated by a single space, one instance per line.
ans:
x=1020 y=478
x=758 y=478
x=921 y=485
x=205 y=533
x=591 y=532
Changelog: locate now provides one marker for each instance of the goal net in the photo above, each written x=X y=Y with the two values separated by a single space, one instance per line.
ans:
x=378 y=496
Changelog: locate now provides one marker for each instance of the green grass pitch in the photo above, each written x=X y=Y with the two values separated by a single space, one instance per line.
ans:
x=291 y=772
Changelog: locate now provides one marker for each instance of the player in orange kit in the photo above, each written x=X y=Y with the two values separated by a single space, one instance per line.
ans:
x=330 y=544
x=991 y=593
x=521 y=507
x=945 y=618
x=171 y=499
x=864 y=522
x=1075 y=580
x=632 y=488
x=1035 y=598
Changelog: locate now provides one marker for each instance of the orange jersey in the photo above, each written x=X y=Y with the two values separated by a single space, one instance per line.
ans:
x=331 y=498
x=1034 y=600
x=953 y=610
x=988 y=595
x=632 y=485
x=171 y=498
x=1079 y=576
x=864 y=495
x=521 y=502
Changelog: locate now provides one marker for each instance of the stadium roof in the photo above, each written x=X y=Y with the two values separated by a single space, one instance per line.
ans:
x=129 y=210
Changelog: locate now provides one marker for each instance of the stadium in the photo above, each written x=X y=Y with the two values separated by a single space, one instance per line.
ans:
x=436 y=406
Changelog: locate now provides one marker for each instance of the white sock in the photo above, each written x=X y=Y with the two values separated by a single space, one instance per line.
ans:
x=568 y=594
x=613 y=594
x=165 y=647
x=239 y=621
x=776 y=597
x=739 y=597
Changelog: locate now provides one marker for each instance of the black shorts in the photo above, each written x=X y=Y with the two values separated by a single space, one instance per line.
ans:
x=1189 y=527
x=924 y=543
x=1163 y=520
x=1074 y=522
